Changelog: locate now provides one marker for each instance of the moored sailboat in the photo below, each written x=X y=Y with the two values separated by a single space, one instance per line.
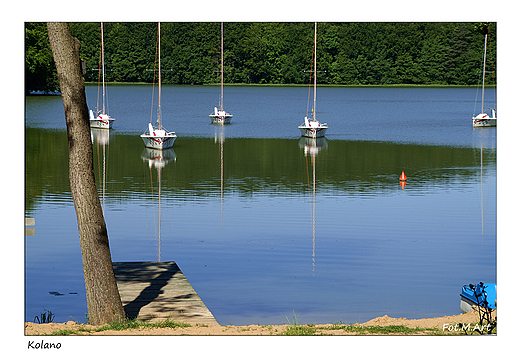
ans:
x=220 y=116
x=158 y=138
x=483 y=119
x=102 y=120
x=311 y=127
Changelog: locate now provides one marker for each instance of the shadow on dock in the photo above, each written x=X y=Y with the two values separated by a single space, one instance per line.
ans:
x=155 y=291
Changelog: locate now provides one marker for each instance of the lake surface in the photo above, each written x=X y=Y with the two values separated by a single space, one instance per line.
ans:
x=268 y=226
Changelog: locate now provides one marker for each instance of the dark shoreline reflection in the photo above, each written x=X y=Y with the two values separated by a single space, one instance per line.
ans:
x=252 y=165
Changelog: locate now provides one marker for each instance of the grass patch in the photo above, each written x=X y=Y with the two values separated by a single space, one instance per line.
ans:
x=69 y=332
x=357 y=329
x=384 y=330
x=122 y=326
x=297 y=329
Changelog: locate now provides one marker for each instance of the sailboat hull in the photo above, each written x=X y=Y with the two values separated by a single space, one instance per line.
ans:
x=159 y=142
x=221 y=119
x=311 y=132
x=102 y=121
x=101 y=124
x=483 y=120
x=484 y=123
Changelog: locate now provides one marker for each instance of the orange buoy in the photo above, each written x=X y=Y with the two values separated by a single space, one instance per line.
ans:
x=403 y=183
x=403 y=177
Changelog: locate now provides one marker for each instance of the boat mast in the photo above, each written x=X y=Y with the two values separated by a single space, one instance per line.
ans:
x=159 y=246
x=314 y=105
x=159 y=107
x=221 y=66
x=484 y=72
x=103 y=65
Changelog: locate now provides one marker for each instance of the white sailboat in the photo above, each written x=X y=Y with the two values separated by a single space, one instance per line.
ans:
x=220 y=116
x=312 y=128
x=102 y=120
x=158 y=138
x=483 y=119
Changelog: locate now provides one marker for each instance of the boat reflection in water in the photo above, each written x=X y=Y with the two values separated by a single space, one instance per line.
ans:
x=158 y=159
x=311 y=147
x=101 y=138
x=220 y=138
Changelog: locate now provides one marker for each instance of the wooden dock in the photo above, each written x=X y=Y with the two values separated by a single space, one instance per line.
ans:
x=155 y=291
x=29 y=222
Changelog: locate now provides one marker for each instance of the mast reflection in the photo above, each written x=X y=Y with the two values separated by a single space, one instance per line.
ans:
x=220 y=138
x=158 y=159
x=101 y=138
x=311 y=147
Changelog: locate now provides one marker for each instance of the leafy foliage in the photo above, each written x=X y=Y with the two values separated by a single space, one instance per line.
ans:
x=273 y=53
x=40 y=71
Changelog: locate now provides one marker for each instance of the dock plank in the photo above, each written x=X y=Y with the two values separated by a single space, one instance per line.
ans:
x=29 y=222
x=155 y=291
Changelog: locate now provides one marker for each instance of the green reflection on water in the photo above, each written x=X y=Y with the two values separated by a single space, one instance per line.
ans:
x=267 y=166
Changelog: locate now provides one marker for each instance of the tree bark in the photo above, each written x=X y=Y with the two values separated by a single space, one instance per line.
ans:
x=103 y=300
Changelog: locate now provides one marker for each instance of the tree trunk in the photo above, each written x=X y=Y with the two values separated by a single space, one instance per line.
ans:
x=103 y=300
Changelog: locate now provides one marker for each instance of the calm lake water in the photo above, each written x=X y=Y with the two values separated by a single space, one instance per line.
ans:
x=266 y=225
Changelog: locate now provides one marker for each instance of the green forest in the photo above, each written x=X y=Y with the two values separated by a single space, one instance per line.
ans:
x=360 y=53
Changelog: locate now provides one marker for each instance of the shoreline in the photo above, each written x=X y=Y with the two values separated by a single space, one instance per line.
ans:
x=397 y=85
x=446 y=325
x=444 y=86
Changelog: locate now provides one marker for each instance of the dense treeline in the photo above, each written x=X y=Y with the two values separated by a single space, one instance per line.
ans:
x=273 y=53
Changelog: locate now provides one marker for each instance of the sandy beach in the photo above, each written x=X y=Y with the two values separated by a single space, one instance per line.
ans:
x=437 y=325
